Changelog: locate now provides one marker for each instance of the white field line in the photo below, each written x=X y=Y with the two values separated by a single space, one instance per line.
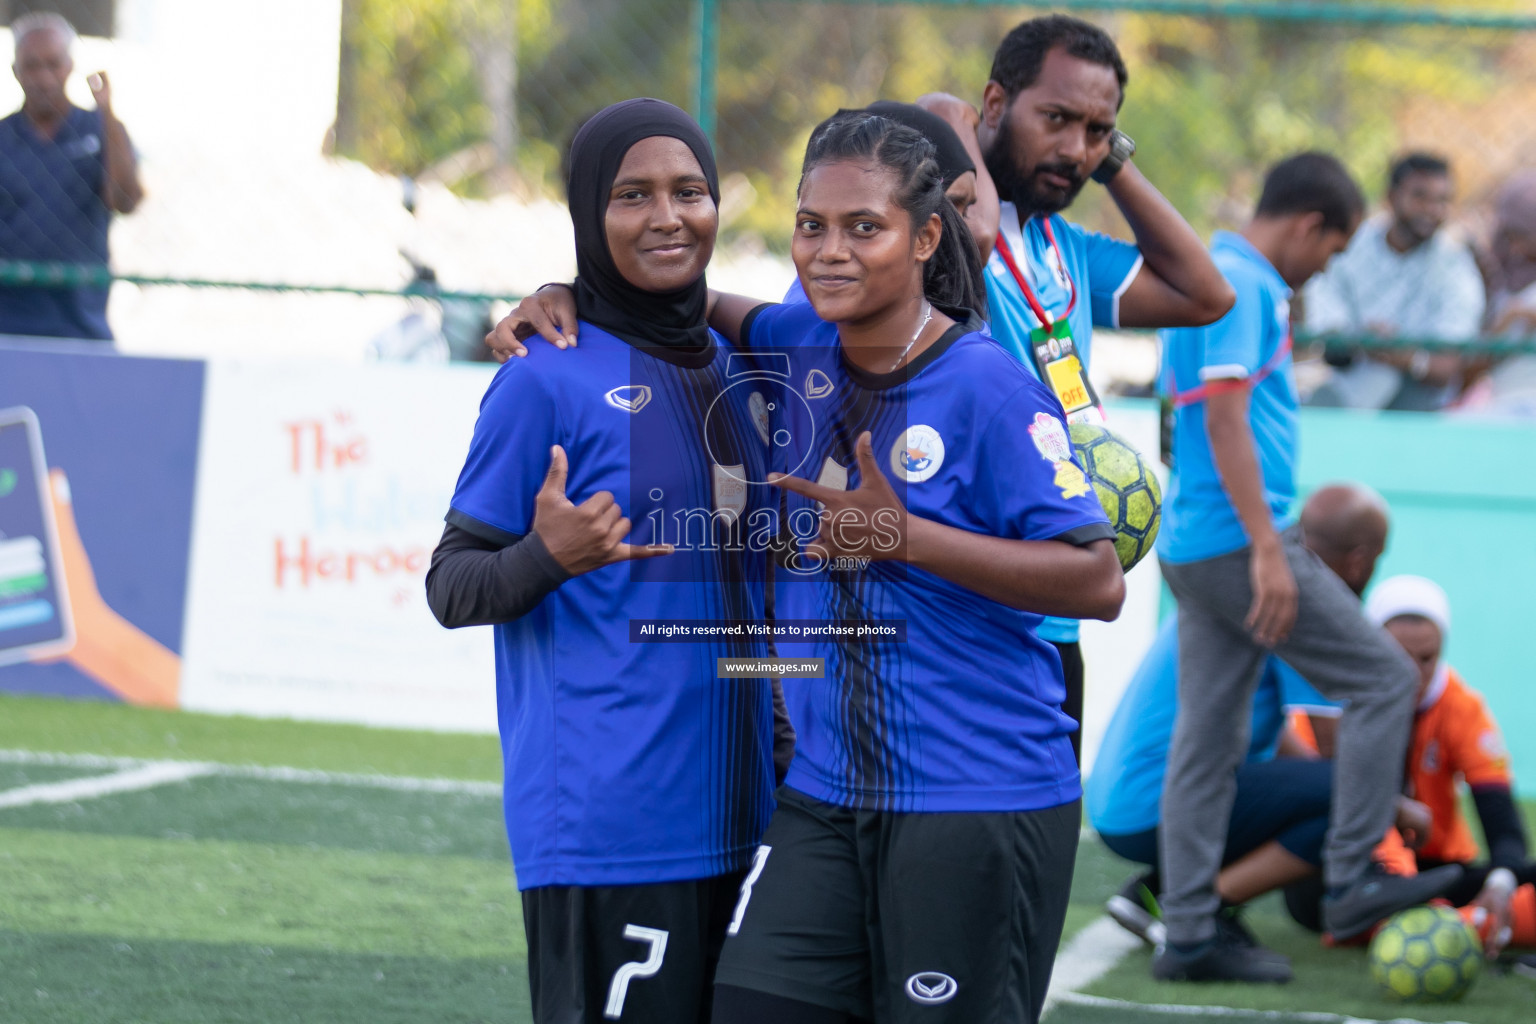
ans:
x=126 y=781
x=1228 y=1012
x=1092 y=953
x=403 y=783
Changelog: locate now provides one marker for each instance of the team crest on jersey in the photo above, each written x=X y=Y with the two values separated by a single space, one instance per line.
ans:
x=1051 y=442
x=1431 y=762
x=1071 y=481
x=1050 y=438
x=818 y=384
x=630 y=397
x=730 y=491
x=917 y=454
x=757 y=405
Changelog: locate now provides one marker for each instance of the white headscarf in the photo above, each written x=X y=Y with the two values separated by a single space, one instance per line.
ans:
x=1415 y=595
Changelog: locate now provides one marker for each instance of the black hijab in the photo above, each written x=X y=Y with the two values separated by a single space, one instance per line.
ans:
x=952 y=157
x=603 y=296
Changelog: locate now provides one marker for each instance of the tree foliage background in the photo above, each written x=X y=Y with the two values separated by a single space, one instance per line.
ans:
x=1212 y=101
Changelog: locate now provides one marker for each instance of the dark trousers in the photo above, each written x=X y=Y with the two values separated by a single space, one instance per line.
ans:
x=1284 y=800
x=1336 y=650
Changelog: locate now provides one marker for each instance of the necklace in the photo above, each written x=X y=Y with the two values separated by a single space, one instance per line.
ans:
x=927 y=316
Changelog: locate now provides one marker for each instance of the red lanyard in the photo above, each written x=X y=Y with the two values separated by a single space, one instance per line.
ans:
x=1181 y=399
x=1046 y=320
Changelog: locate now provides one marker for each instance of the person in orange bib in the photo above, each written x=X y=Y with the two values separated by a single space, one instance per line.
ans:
x=1456 y=738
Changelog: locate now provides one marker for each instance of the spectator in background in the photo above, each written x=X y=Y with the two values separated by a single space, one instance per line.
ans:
x=1510 y=388
x=1402 y=276
x=1233 y=555
x=1456 y=741
x=1281 y=803
x=1512 y=284
x=63 y=172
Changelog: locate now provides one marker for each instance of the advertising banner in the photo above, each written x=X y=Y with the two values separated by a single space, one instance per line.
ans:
x=98 y=458
x=321 y=494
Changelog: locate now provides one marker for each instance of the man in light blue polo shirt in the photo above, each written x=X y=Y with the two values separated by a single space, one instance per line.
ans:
x=1246 y=585
x=1047 y=124
x=63 y=172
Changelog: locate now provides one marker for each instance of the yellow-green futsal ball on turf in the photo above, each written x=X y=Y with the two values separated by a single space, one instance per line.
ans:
x=1126 y=487
x=1426 y=955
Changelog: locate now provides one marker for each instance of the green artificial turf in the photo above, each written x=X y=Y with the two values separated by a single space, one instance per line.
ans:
x=301 y=897
x=256 y=900
x=100 y=727
x=263 y=811
x=48 y=978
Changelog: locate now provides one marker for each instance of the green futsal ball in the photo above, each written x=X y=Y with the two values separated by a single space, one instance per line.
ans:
x=1426 y=955
x=1126 y=486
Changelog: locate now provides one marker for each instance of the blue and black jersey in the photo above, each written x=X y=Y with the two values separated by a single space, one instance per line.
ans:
x=627 y=761
x=964 y=715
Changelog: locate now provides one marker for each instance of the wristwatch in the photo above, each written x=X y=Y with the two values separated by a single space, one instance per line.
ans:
x=1121 y=146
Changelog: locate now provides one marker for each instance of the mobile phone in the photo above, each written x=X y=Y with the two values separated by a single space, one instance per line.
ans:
x=34 y=608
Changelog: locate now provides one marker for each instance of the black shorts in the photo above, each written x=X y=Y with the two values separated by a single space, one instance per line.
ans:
x=641 y=954
x=905 y=917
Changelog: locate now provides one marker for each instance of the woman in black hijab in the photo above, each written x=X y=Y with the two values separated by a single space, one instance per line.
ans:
x=643 y=282
x=637 y=784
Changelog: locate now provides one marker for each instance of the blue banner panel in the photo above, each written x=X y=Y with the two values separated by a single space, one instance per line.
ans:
x=124 y=432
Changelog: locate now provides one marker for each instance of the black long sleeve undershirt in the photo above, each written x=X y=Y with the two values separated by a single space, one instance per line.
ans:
x=1505 y=836
x=477 y=582
x=1502 y=828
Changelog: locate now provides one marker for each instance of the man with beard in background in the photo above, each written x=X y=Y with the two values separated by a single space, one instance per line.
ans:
x=1047 y=124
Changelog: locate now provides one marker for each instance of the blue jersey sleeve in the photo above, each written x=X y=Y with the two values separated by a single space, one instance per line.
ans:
x=1110 y=265
x=508 y=457
x=1232 y=347
x=782 y=325
x=1030 y=486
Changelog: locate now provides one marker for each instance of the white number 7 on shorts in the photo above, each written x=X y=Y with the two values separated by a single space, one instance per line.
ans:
x=759 y=859
x=636 y=969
